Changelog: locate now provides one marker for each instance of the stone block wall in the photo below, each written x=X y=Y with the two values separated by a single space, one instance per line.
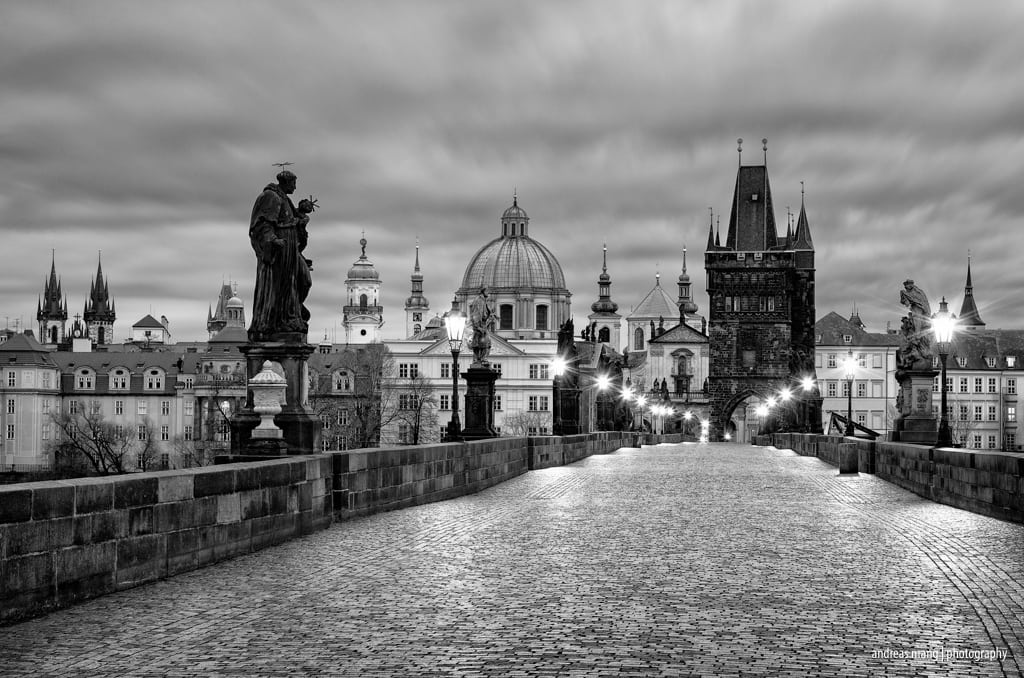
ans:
x=66 y=540
x=549 y=451
x=985 y=482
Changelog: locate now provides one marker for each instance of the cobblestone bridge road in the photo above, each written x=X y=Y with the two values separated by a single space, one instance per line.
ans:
x=670 y=560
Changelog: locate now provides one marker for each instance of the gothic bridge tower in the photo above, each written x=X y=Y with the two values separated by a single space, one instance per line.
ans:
x=761 y=315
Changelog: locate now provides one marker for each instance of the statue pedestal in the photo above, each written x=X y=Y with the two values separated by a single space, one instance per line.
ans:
x=566 y=414
x=916 y=422
x=480 y=380
x=301 y=430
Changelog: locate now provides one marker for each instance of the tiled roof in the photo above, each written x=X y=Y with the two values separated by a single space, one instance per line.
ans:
x=680 y=334
x=23 y=349
x=831 y=330
x=148 y=321
x=657 y=304
x=100 y=361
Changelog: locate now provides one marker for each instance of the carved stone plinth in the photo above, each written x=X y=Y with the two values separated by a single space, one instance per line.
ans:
x=479 y=402
x=917 y=421
x=566 y=414
x=300 y=429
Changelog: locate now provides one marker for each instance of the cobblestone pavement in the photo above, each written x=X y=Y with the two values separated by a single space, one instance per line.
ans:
x=717 y=560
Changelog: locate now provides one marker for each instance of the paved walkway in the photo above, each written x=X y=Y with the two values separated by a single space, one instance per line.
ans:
x=717 y=559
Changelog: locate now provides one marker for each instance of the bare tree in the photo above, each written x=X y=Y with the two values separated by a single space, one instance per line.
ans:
x=147 y=451
x=525 y=423
x=86 y=439
x=188 y=454
x=370 y=402
x=417 y=409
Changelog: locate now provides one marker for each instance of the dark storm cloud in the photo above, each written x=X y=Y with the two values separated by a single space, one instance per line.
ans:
x=146 y=131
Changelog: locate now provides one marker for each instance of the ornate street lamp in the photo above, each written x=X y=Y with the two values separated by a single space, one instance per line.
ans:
x=943 y=324
x=807 y=384
x=849 y=365
x=455 y=325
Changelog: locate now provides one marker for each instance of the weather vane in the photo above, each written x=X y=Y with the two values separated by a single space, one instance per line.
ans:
x=282 y=165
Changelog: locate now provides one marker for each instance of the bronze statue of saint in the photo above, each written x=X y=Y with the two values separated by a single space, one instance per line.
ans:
x=481 y=317
x=277 y=232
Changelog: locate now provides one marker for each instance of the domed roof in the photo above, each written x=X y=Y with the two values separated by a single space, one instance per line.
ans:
x=363 y=268
x=235 y=302
x=516 y=263
x=514 y=260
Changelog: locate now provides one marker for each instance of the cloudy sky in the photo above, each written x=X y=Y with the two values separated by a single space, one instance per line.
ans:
x=147 y=129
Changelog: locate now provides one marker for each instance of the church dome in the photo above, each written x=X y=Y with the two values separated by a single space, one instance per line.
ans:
x=363 y=268
x=235 y=302
x=514 y=263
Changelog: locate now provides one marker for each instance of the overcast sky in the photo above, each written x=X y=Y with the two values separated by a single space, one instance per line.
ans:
x=147 y=129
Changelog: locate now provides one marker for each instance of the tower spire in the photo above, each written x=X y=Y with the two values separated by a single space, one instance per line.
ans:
x=969 y=316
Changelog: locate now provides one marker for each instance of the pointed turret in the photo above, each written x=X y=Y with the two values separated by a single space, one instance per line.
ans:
x=969 y=317
x=803 y=228
x=51 y=308
x=99 y=314
x=752 y=221
x=416 y=305
x=604 y=318
x=686 y=303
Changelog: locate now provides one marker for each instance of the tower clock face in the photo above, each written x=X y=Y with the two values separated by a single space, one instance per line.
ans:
x=78 y=333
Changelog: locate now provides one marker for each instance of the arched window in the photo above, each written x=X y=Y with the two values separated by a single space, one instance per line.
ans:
x=101 y=335
x=638 y=339
x=362 y=302
x=604 y=334
x=342 y=381
x=53 y=334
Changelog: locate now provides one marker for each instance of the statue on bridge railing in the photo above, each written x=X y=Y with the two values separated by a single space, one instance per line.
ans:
x=916 y=329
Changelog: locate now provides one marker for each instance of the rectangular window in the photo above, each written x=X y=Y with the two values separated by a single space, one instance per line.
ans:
x=119 y=431
x=95 y=407
x=991 y=442
x=189 y=382
x=977 y=384
x=1011 y=413
x=342 y=417
x=532 y=404
x=118 y=407
x=142 y=407
x=991 y=412
x=862 y=360
x=165 y=460
x=46 y=431
x=188 y=433
x=10 y=431
x=992 y=385
x=408 y=370
x=876 y=360
x=846 y=388
x=963 y=384
x=543 y=403
x=831 y=362
x=10 y=406
x=977 y=413
x=949 y=384
x=1011 y=361
x=505 y=317
x=46 y=380
x=445 y=401
x=497 y=401
x=165 y=407
x=876 y=389
x=407 y=401
x=46 y=405
x=862 y=389
x=1011 y=441
x=935 y=385
x=189 y=404
x=446 y=371
x=496 y=367
x=12 y=378
x=542 y=317
x=154 y=381
x=830 y=389
x=539 y=371
x=965 y=413
x=977 y=442
x=404 y=434
x=862 y=418
x=1011 y=386
x=142 y=431
x=165 y=433
x=73 y=407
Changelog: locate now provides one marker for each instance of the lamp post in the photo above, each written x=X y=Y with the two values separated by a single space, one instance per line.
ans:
x=943 y=324
x=807 y=384
x=849 y=365
x=455 y=326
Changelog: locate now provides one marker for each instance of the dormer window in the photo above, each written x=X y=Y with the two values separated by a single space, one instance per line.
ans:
x=1011 y=361
x=119 y=380
x=85 y=379
x=961 y=361
x=154 y=380
x=847 y=338
x=991 y=362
